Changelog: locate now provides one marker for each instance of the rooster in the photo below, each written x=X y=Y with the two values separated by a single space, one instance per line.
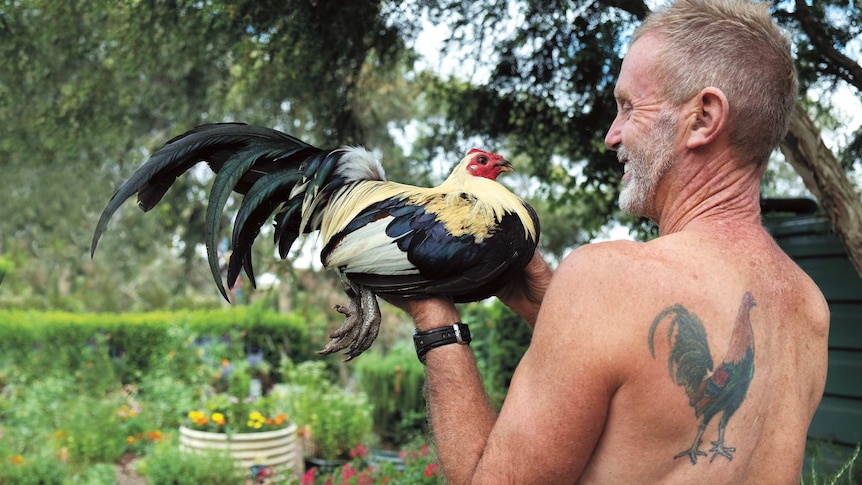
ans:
x=722 y=391
x=464 y=239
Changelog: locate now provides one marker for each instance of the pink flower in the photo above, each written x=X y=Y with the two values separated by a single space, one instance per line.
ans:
x=348 y=472
x=359 y=451
x=365 y=478
x=308 y=478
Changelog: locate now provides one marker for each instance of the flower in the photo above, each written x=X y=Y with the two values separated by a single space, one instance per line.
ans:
x=429 y=470
x=227 y=414
x=17 y=459
x=308 y=478
x=359 y=451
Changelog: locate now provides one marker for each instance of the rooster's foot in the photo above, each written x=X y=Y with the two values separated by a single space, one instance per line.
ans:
x=692 y=454
x=718 y=448
x=361 y=326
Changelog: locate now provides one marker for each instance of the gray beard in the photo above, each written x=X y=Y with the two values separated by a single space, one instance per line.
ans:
x=647 y=164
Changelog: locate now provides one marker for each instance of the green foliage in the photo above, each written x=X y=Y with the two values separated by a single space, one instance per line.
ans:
x=79 y=340
x=42 y=469
x=500 y=339
x=88 y=431
x=394 y=383
x=99 y=474
x=335 y=419
x=416 y=467
x=827 y=464
x=169 y=466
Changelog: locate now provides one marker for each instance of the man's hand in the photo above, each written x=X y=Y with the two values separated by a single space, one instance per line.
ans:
x=524 y=295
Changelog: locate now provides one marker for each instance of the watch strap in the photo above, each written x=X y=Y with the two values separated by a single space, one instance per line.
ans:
x=430 y=339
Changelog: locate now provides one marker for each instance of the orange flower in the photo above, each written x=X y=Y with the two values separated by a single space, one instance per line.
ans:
x=17 y=459
x=130 y=439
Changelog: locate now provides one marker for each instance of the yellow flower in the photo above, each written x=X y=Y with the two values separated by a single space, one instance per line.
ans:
x=130 y=439
x=17 y=459
x=256 y=416
x=218 y=418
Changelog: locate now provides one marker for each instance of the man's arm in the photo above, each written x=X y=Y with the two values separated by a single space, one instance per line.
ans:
x=557 y=403
x=461 y=417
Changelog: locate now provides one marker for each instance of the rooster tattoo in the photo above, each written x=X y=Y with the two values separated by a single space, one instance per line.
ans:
x=689 y=361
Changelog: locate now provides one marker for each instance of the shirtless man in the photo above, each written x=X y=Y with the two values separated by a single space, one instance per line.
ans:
x=698 y=357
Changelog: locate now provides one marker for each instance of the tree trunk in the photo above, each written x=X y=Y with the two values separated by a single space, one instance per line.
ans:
x=826 y=179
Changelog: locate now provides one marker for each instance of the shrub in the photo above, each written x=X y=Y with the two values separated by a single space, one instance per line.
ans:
x=394 y=383
x=500 y=338
x=170 y=466
x=335 y=420
x=32 y=470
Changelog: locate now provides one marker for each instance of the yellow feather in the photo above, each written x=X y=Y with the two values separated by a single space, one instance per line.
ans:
x=484 y=203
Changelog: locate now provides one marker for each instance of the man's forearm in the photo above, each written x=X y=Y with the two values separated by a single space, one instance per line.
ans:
x=461 y=417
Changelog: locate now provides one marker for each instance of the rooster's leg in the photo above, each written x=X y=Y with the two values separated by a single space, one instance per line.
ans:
x=361 y=326
x=718 y=447
x=693 y=452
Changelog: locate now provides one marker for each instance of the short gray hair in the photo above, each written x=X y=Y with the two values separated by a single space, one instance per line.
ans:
x=735 y=46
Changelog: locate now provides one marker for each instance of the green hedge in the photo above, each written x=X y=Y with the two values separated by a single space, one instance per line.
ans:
x=42 y=340
x=395 y=385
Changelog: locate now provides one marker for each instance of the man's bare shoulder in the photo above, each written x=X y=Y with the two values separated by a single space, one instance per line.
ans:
x=621 y=263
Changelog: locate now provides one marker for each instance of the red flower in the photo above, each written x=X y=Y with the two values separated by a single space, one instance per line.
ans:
x=359 y=451
x=348 y=472
x=308 y=478
x=429 y=470
x=423 y=450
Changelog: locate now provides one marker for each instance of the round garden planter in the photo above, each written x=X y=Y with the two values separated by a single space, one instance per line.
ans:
x=275 y=449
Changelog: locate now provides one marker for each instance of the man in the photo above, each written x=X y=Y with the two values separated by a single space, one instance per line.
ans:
x=697 y=357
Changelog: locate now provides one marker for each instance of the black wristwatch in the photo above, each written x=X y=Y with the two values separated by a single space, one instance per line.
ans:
x=457 y=333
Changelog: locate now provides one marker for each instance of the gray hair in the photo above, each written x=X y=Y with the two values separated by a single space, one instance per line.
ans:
x=735 y=46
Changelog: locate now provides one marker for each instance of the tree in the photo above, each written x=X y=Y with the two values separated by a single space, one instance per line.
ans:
x=549 y=94
x=88 y=89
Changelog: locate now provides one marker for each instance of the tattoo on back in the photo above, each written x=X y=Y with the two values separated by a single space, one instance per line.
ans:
x=689 y=362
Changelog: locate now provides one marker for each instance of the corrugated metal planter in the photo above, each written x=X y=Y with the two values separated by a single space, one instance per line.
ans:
x=275 y=451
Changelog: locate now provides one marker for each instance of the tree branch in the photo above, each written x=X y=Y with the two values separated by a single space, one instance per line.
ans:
x=635 y=7
x=826 y=179
x=837 y=63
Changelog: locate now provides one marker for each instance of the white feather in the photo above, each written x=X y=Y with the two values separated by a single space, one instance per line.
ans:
x=369 y=250
x=357 y=163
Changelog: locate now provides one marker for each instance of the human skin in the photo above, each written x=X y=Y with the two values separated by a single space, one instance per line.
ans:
x=595 y=398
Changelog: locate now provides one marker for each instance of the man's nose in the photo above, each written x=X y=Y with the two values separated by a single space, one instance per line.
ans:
x=613 y=138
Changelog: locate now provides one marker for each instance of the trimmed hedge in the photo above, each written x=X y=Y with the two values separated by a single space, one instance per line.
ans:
x=39 y=339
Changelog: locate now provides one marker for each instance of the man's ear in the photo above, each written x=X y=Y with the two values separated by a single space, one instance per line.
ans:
x=710 y=111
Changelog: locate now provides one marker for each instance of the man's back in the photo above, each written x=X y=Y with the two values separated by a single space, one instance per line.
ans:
x=723 y=340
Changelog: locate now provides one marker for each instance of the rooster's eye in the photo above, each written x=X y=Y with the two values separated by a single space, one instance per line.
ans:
x=482 y=160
